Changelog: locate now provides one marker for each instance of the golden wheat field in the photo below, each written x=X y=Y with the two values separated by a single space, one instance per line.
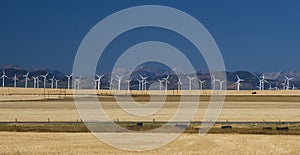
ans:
x=57 y=105
x=86 y=143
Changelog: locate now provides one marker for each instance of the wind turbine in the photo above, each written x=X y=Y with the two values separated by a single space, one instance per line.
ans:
x=213 y=81
x=110 y=84
x=35 y=81
x=69 y=78
x=119 y=81
x=140 y=81
x=26 y=79
x=238 y=82
x=179 y=84
x=143 y=81
x=99 y=81
x=167 y=81
x=288 y=82
x=95 y=83
x=56 y=83
x=220 y=83
x=45 y=78
x=160 y=83
x=52 y=81
x=201 y=84
x=77 y=83
x=283 y=84
x=15 y=80
x=262 y=82
x=190 y=82
x=128 y=84
x=3 y=77
x=38 y=82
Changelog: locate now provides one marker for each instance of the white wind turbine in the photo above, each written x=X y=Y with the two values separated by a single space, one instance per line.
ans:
x=69 y=78
x=283 y=85
x=179 y=84
x=288 y=82
x=140 y=82
x=3 y=77
x=52 y=81
x=119 y=79
x=213 y=81
x=77 y=83
x=160 y=83
x=145 y=83
x=56 y=83
x=262 y=82
x=220 y=83
x=15 y=80
x=190 y=82
x=201 y=84
x=98 y=80
x=110 y=84
x=128 y=84
x=238 y=82
x=26 y=79
x=35 y=81
x=38 y=82
x=95 y=84
x=143 y=79
x=45 y=78
x=166 y=79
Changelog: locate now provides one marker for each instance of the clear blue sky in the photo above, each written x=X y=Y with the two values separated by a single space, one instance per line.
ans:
x=252 y=35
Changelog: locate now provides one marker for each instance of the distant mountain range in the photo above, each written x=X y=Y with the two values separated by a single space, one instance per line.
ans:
x=155 y=72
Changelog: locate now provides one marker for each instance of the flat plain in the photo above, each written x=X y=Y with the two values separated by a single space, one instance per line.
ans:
x=268 y=106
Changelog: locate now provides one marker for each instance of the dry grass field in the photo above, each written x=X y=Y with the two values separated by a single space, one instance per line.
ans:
x=65 y=110
x=86 y=143
x=57 y=105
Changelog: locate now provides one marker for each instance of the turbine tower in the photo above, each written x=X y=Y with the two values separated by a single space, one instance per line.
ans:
x=140 y=82
x=283 y=85
x=220 y=83
x=15 y=80
x=238 y=82
x=26 y=79
x=288 y=82
x=190 y=82
x=128 y=84
x=213 y=81
x=167 y=81
x=201 y=84
x=38 y=82
x=35 y=81
x=45 y=78
x=56 y=83
x=160 y=83
x=99 y=81
x=3 y=77
x=119 y=81
x=110 y=84
x=143 y=81
x=262 y=82
x=69 y=78
x=77 y=83
x=52 y=81
x=179 y=84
